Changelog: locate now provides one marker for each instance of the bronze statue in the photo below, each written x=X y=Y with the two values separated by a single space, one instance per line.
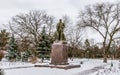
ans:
x=59 y=35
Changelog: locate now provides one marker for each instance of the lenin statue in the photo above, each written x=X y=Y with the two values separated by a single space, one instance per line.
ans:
x=59 y=35
x=59 y=52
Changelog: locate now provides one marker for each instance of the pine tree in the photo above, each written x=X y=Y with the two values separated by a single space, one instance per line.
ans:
x=87 y=44
x=1 y=72
x=13 y=53
x=26 y=55
x=44 y=46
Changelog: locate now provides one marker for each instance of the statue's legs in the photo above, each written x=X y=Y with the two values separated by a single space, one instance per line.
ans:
x=60 y=38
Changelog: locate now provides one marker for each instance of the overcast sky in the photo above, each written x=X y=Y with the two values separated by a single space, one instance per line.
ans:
x=57 y=8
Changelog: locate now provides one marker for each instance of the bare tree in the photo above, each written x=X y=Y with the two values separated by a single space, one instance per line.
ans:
x=31 y=24
x=74 y=37
x=104 y=18
x=50 y=25
x=68 y=23
x=73 y=33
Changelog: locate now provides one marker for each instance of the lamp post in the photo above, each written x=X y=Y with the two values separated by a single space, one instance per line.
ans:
x=88 y=54
x=112 y=51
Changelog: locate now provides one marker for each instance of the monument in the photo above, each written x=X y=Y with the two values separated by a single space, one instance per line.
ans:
x=59 y=34
x=59 y=55
x=59 y=52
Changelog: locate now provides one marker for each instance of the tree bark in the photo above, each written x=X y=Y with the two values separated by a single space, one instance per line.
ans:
x=105 y=58
x=105 y=54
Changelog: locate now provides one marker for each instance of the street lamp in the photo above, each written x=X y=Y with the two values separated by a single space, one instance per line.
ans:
x=112 y=50
x=88 y=54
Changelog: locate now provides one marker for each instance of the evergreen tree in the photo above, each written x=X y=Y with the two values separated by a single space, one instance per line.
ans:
x=1 y=72
x=44 y=46
x=13 y=53
x=87 y=44
x=26 y=55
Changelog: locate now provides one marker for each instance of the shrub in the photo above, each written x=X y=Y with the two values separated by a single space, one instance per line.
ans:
x=81 y=62
x=1 y=55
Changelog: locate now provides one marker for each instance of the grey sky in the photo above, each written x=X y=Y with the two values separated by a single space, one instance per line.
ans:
x=57 y=8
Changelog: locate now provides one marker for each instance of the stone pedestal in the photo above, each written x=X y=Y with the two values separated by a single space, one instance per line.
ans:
x=59 y=55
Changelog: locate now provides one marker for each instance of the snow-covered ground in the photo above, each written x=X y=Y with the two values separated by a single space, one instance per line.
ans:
x=109 y=70
x=89 y=67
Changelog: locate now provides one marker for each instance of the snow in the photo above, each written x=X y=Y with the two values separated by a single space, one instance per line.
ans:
x=108 y=70
x=87 y=68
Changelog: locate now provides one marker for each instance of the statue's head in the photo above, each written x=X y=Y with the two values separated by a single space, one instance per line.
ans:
x=60 y=20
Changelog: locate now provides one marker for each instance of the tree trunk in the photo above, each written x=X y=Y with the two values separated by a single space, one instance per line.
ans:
x=105 y=53
x=105 y=58
x=42 y=60
x=106 y=50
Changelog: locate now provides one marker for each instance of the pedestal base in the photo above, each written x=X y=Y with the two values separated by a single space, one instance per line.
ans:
x=59 y=54
x=59 y=66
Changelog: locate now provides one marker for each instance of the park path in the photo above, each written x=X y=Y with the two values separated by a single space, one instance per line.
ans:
x=89 y=71
x=17 y=67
